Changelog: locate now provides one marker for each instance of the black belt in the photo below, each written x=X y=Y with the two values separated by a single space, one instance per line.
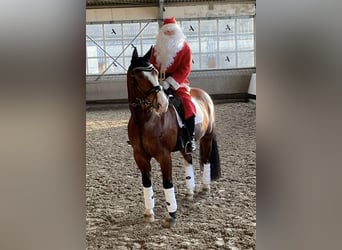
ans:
x=163 y=75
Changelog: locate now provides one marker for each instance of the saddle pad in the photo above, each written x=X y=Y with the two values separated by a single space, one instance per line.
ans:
x=198 y=117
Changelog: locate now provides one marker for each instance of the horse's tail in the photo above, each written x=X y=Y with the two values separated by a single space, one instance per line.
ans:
x=215 y=166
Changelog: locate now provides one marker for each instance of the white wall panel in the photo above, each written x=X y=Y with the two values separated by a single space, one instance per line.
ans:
x=121 y=14
x=191 y=11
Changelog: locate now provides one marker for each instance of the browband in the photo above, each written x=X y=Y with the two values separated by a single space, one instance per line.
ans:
x=148 y=68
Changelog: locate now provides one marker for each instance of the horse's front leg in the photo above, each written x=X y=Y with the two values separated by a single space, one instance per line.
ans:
x=143 y=162
x=169 y=191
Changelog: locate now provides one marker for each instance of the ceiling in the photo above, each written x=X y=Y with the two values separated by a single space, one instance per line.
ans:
x=133 y=3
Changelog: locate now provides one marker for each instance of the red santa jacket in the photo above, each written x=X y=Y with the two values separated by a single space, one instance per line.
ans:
x=180 y=69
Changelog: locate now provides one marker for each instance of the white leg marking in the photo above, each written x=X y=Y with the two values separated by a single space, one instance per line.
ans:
x=206 y=174
x=149 y=204
x=170 y=198
x=189 y=177
x=149 y=199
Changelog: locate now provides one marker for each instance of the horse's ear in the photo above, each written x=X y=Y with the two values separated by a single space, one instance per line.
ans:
x=135 y=53
x=147 y=56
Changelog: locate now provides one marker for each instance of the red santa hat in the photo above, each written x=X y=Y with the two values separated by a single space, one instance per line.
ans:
x=170 y=20
x=170 y=24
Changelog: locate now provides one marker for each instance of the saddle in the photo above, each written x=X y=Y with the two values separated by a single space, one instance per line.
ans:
x=176 y=102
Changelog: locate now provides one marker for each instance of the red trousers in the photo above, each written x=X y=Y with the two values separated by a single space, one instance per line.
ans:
x=189 y=107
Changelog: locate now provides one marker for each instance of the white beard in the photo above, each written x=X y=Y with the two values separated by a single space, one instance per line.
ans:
x=167 y=48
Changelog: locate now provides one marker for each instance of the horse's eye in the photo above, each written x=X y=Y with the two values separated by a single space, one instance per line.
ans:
x=139 y=74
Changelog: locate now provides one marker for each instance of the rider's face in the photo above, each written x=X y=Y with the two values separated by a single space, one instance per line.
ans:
x=169 y=32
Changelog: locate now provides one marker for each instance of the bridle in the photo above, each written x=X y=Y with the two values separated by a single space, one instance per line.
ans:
x=143 y=100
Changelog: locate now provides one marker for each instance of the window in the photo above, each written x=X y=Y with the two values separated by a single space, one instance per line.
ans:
x=109 y=46
x=222 y=43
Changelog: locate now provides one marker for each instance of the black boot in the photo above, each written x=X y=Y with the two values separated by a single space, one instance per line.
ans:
x=190 y=146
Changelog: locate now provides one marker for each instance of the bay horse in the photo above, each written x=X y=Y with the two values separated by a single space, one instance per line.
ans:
x=153 y=131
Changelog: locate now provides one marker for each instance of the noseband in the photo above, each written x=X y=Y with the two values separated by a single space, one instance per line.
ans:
x=144 y=101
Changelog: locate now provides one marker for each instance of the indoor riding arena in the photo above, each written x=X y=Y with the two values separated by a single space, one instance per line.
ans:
x=221 y=35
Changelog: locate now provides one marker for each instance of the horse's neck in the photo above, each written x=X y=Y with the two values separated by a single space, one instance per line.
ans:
x=133 y=93
x=139 y=114
x=152 y=118
x=137 y=110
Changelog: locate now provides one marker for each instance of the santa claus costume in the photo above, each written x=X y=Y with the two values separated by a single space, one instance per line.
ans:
x=172 y=57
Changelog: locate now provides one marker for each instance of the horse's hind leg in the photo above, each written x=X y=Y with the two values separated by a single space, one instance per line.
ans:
x=205 y=152
x=145 y=169
x=189 y=176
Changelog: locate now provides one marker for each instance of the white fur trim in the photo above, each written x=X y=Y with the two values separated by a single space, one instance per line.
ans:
x=189 y=177
x=170 y=26
x=165 y=85
x=148 y=198
x=170 y=199
x=206 y=174
x=172 y=82
x=175 y=84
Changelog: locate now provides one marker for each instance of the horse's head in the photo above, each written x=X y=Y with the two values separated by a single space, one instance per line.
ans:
x=144 y=78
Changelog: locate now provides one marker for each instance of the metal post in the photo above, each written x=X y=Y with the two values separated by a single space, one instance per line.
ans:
x=161 y=13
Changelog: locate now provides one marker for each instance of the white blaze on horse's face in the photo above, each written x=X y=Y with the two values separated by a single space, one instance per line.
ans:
x=162 y=100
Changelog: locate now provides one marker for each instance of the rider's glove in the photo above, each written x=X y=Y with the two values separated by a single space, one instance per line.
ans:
x=172 y=82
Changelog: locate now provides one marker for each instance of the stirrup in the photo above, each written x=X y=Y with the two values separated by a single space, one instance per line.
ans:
x=190 y=146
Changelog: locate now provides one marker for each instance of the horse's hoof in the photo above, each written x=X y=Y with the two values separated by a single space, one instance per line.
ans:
x=206 y=188
x=189 y=197
x=169 y=222
x=148 y=218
